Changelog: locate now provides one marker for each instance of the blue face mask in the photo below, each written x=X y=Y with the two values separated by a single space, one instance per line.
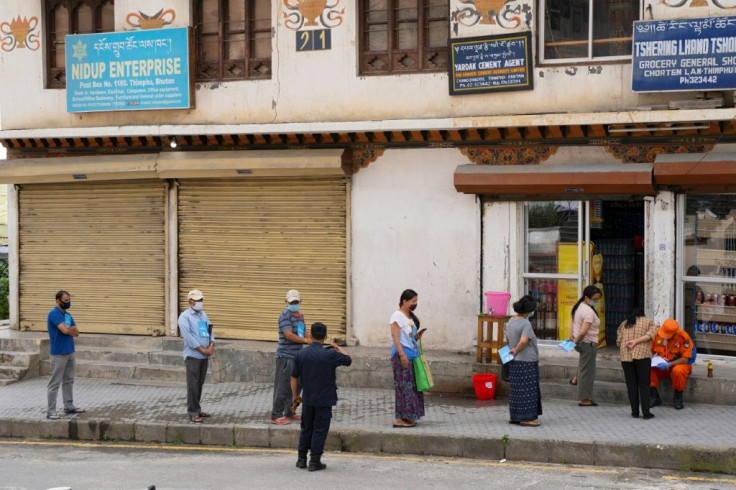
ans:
x=592 y=303
x=66 y=305
x=293 y=308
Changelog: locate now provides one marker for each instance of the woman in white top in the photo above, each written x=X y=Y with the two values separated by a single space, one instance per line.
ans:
x=405 y=335
x=585 y=326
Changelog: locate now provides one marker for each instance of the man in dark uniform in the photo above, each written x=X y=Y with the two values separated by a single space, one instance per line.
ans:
x=316 y=366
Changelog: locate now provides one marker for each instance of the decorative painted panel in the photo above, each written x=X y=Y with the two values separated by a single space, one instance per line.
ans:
x=673 y=9
x=300 y=14
x=20 y=33
x=481 y=17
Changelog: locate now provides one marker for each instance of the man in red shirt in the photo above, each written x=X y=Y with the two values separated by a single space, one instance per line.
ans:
x=677 y=349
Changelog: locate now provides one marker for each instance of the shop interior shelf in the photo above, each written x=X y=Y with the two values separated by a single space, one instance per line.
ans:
x=715 y=341
x=723 y=258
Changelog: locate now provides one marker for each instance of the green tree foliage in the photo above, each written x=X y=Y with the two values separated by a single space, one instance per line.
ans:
x=4 y=289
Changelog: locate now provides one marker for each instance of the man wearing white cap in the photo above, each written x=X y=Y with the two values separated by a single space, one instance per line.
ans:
x=292 y=337
x=199 y=345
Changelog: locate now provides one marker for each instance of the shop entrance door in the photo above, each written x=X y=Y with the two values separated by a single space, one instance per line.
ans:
x=570 y=244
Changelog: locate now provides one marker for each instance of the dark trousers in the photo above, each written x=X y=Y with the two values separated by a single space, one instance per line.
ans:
x=315 y=426
x=637 y=383
x=196 y=371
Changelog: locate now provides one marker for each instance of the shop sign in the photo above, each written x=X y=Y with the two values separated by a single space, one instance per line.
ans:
x=491 y=64
x=123 y=71
x=684 y=54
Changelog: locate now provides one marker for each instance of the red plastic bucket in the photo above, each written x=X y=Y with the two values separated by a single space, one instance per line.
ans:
x=485 y=386
x=497 y=303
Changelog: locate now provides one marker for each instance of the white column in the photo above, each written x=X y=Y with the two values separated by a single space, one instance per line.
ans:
x=172 y=258
x=660 y=274
x=13 y=262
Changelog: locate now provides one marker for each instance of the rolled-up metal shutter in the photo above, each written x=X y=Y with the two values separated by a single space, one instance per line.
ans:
x=102 y=242
x=244 y=243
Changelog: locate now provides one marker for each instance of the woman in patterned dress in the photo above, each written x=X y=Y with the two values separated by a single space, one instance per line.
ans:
x=405 y=335
x=525 y=400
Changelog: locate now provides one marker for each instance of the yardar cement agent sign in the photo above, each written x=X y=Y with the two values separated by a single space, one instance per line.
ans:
x=123 y=71
x=684 y=54
x=490 y=64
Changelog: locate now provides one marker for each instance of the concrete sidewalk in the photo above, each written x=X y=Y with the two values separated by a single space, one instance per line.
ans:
x=698 y=438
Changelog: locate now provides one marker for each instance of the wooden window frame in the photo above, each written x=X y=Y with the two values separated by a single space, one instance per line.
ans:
x=251 y=67
x=590 y=41
x=56 y=76
x=426 y=58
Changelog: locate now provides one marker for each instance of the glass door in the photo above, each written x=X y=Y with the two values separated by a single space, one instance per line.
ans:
x=556 y=264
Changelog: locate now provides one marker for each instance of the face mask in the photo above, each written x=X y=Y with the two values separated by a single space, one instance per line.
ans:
x=66 y=305
x=293 y=308
x=592 y=303
x=531 y=314
x=413 y=307
x=197 y=306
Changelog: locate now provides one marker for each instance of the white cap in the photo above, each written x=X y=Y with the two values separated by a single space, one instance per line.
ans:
x=293 y=295
x=195 y=294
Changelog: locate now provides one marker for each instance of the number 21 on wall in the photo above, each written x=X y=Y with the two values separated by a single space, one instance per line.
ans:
x=314 y=40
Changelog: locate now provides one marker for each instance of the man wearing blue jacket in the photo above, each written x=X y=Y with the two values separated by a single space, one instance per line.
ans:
x=316 y=367
x=199 y=345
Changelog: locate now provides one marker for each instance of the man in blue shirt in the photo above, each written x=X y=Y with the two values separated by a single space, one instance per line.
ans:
x=316 y=367
x=199 y=345
x=62 y=331
x=292 y=337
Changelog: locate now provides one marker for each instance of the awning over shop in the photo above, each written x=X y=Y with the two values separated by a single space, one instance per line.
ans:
x=172 y=165
x=696 y=172
x=568 y=182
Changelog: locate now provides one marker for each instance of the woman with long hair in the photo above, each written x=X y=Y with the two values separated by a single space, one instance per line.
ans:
x=585 y=327
x=405 y=336
x=525 y=400
x=634 y=338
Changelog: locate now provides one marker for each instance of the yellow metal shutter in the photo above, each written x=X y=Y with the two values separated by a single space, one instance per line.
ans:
x=244 y=243
x=102 y=242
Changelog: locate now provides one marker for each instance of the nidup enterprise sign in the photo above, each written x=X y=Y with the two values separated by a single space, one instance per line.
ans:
x=684 y=54
x=134 y=70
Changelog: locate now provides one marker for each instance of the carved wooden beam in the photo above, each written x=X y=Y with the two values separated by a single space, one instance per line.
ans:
x=508 y=155
x=354 y=159
x=648 y=153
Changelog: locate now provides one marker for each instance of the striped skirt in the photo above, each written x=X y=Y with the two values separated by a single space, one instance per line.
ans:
x=409 y=403
x=525 y=399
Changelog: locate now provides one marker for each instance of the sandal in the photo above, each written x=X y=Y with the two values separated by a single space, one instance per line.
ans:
x=530 y=423
x=589 y=403
x=196 y=419
x=204 y=415
x=404 y=423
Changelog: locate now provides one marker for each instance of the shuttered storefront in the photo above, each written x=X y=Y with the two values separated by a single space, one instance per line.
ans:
x=244 y=243
x=104 y=243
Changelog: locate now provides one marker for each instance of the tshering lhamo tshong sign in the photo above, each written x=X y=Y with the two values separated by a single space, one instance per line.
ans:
x=491 y=64
x=134 y=70
x=684 y=54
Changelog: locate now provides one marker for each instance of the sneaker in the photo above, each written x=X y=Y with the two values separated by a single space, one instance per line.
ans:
x=53 y=416
x=296 y=417
x=281 y=421
x=74 y=411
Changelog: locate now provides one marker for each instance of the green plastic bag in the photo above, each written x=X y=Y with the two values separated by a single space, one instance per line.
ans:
x=422 y=374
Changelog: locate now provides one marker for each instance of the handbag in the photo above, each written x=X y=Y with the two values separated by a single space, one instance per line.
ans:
x=422 y=374
x=506 y=371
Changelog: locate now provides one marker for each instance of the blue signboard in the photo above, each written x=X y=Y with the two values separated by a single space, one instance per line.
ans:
x=491 y=63
x=122 y=71
x=684 y=54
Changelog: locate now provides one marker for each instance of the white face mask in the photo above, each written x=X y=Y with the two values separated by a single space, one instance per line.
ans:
x=197 y=306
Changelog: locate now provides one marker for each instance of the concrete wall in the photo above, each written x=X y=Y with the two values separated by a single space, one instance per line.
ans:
x=316 y=86
x=411 y=229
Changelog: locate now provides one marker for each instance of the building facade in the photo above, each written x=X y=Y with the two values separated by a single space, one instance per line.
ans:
x=321 y=149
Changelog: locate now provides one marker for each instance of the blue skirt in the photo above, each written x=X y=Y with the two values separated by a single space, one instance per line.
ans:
x=525 y=398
